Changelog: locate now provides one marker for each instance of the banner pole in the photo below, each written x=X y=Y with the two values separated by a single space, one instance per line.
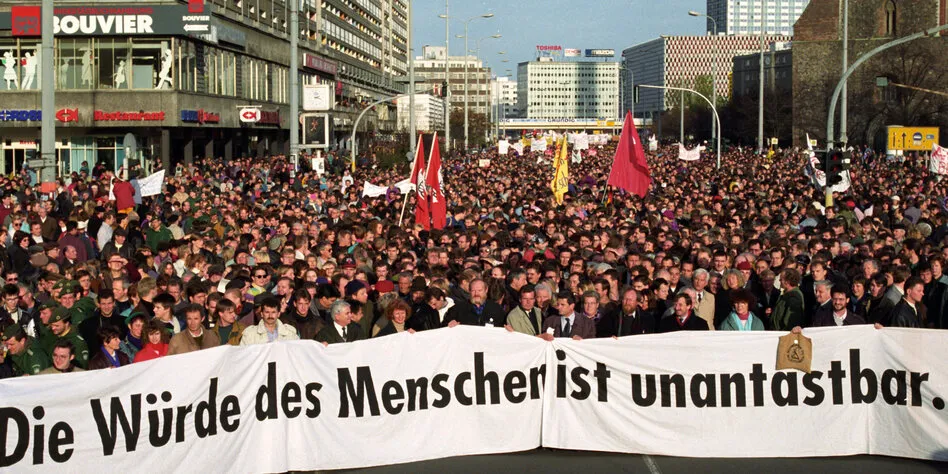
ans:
x=404 y=205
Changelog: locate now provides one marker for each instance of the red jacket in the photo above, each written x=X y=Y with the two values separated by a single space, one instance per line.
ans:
x=151 y=351
x=124 y=195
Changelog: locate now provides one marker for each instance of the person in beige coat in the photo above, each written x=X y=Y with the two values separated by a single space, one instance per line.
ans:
x=704 y=300
x=526 y=318
x=194 y=337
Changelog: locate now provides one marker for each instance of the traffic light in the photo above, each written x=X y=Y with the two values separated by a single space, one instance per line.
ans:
x=835 y=165
x=444 y=88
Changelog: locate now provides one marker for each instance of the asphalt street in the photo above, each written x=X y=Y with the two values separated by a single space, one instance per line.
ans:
x=546 y=461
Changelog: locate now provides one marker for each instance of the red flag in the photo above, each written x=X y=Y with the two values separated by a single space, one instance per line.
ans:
x=422 y=215
x=629 y=169
x=439 y=208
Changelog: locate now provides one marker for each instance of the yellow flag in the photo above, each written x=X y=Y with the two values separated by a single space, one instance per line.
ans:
x=560 y=183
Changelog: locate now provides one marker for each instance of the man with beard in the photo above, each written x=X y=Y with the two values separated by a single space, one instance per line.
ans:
x=628 y=320
x=477 y=312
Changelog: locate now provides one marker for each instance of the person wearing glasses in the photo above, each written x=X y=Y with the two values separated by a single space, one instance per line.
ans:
x=261 y=280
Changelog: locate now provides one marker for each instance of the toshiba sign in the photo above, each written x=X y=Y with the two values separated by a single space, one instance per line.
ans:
x=136 y=20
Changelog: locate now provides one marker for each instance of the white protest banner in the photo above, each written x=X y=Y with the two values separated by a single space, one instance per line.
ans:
x=151 y=185
x=319 y=165
x=483 y=163
x=148 y=186
x=718 y=395
x=404 y=186
x=371 y=190
x=581 y=142
x=693 y=154
x=939 y=160
x=538 y=145
x=652 y=144
x=290 y=406
x=503 y=146
x=518 y=147
x=577 y=157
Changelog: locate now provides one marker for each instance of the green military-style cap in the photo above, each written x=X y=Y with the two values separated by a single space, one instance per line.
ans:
x=59 y=314
x=10 y=331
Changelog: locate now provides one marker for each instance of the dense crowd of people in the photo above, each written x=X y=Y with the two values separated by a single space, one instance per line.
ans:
x=250 y=252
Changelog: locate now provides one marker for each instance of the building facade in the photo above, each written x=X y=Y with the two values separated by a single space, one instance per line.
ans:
x=430 y=66
x=553 y=90
x=504 y=97
x=913 y=71
x=743 y=17
x=429 y=113
x=677 y=61
x=196 y=80
x=778 y=73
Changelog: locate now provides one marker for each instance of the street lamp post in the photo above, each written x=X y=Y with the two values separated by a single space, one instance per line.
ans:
x=713 y=109
x=477 y=53
x=466 y=52
x=714 y=65
x=446 y=94
x=760 y=101
x=843 y=138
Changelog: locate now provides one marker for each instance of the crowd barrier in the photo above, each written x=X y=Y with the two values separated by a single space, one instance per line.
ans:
x=464 y=390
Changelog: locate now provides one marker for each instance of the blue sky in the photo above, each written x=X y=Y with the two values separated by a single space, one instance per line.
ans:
x=524 y=24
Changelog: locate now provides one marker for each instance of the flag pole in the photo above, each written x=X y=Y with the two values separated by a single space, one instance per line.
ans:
x=414 y=162
x=404 y=204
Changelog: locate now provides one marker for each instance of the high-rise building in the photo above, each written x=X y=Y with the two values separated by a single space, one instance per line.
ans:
x=677 y=61
x=554 y=90
x=430 y=66
x=206 y=79
x=742 y=17
x=503 y=92
x=429 y=113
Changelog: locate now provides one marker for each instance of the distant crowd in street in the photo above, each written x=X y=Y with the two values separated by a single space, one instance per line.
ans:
x=252 y=251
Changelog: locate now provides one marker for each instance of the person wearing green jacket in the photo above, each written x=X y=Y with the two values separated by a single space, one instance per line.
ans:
x=788 y=313
x=62 y=328
x=27 y=356
x=156 y=233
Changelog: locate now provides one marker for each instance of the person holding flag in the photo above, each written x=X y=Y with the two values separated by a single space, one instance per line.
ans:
x=560 y=183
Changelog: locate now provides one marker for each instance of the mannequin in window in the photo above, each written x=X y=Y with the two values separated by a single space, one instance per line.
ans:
x=63 y=73
x=164 y=75
x=29 y=69
x=86 y=66
x=119 y=76
x=9 y=70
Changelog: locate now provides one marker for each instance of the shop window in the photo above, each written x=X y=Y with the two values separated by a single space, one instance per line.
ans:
x=105 y=152
x=113 y=61
x=152 y=65
x=75 y=64
x=227 y=74
x=210 y=70
x=186 y=60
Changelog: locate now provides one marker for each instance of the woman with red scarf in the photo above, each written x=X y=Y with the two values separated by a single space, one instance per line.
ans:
x=741 y=318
